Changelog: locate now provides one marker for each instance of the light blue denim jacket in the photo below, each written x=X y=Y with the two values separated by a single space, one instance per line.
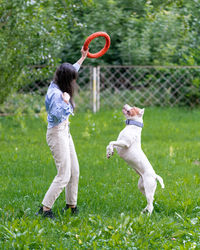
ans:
x=57 y=110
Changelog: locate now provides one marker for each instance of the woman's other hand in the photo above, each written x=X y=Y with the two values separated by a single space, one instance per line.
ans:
x=66 y=97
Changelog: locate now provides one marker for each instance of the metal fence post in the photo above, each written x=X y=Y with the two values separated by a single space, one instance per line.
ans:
x=98 y=88
x=94 y=90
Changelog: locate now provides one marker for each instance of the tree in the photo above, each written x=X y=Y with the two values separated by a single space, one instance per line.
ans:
x=32 y=34
x=142 y=32
x=37 y=35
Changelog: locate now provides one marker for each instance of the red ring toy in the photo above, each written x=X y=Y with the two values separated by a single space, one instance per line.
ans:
x=91 y=37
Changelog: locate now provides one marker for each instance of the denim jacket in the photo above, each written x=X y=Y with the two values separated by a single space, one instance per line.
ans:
x=57 y=110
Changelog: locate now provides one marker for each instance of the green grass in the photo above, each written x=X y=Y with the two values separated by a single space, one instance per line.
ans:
x=109 y=200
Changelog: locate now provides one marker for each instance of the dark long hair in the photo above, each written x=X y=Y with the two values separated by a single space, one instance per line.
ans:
x=65 y=77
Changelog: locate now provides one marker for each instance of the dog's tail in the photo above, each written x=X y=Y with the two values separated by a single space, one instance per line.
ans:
x=160 y=180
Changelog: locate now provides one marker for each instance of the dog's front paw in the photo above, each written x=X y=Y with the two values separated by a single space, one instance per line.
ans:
x=109 y=151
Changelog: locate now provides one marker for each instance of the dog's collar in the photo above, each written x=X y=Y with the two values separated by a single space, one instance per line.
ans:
x=136 y=123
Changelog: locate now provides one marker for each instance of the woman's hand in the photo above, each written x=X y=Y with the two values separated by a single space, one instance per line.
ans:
x=84 y=53
x=66 y=97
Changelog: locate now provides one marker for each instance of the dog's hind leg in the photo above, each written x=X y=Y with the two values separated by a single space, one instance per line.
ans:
x=150 y=185
x=141 y=185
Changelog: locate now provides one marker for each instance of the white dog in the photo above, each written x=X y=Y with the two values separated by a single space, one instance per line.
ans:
x=128 y=146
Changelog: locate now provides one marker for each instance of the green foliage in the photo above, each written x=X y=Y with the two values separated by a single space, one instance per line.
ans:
x=32 y=33
x=142 y=32
x=37 y=35
x=154 y=40
x=109 y=200
x=30 y=103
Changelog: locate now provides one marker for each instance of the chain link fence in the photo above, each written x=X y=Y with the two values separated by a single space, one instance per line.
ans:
x=113 y=86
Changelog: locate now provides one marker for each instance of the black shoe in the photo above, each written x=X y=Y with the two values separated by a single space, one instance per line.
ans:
x=40 y=211
x=65 y=208
x=45 y=214
x=49 y=214
x=74 y=210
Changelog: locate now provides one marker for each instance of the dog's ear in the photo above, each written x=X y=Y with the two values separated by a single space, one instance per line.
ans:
x=141 y=112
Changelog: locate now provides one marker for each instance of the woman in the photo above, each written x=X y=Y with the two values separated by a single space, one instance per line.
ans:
x=59 y=105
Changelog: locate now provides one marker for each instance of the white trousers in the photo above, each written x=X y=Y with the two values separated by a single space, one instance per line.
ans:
x=62 y=147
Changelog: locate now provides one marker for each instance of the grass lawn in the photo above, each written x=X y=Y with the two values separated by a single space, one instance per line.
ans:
x=109 y=200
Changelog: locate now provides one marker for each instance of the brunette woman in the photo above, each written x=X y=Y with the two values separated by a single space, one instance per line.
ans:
x=59 y=104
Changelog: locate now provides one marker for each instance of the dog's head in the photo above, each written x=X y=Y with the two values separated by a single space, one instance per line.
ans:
x=133 y=113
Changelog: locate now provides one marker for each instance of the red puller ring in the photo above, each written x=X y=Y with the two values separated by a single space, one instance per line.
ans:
x=91 y=37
